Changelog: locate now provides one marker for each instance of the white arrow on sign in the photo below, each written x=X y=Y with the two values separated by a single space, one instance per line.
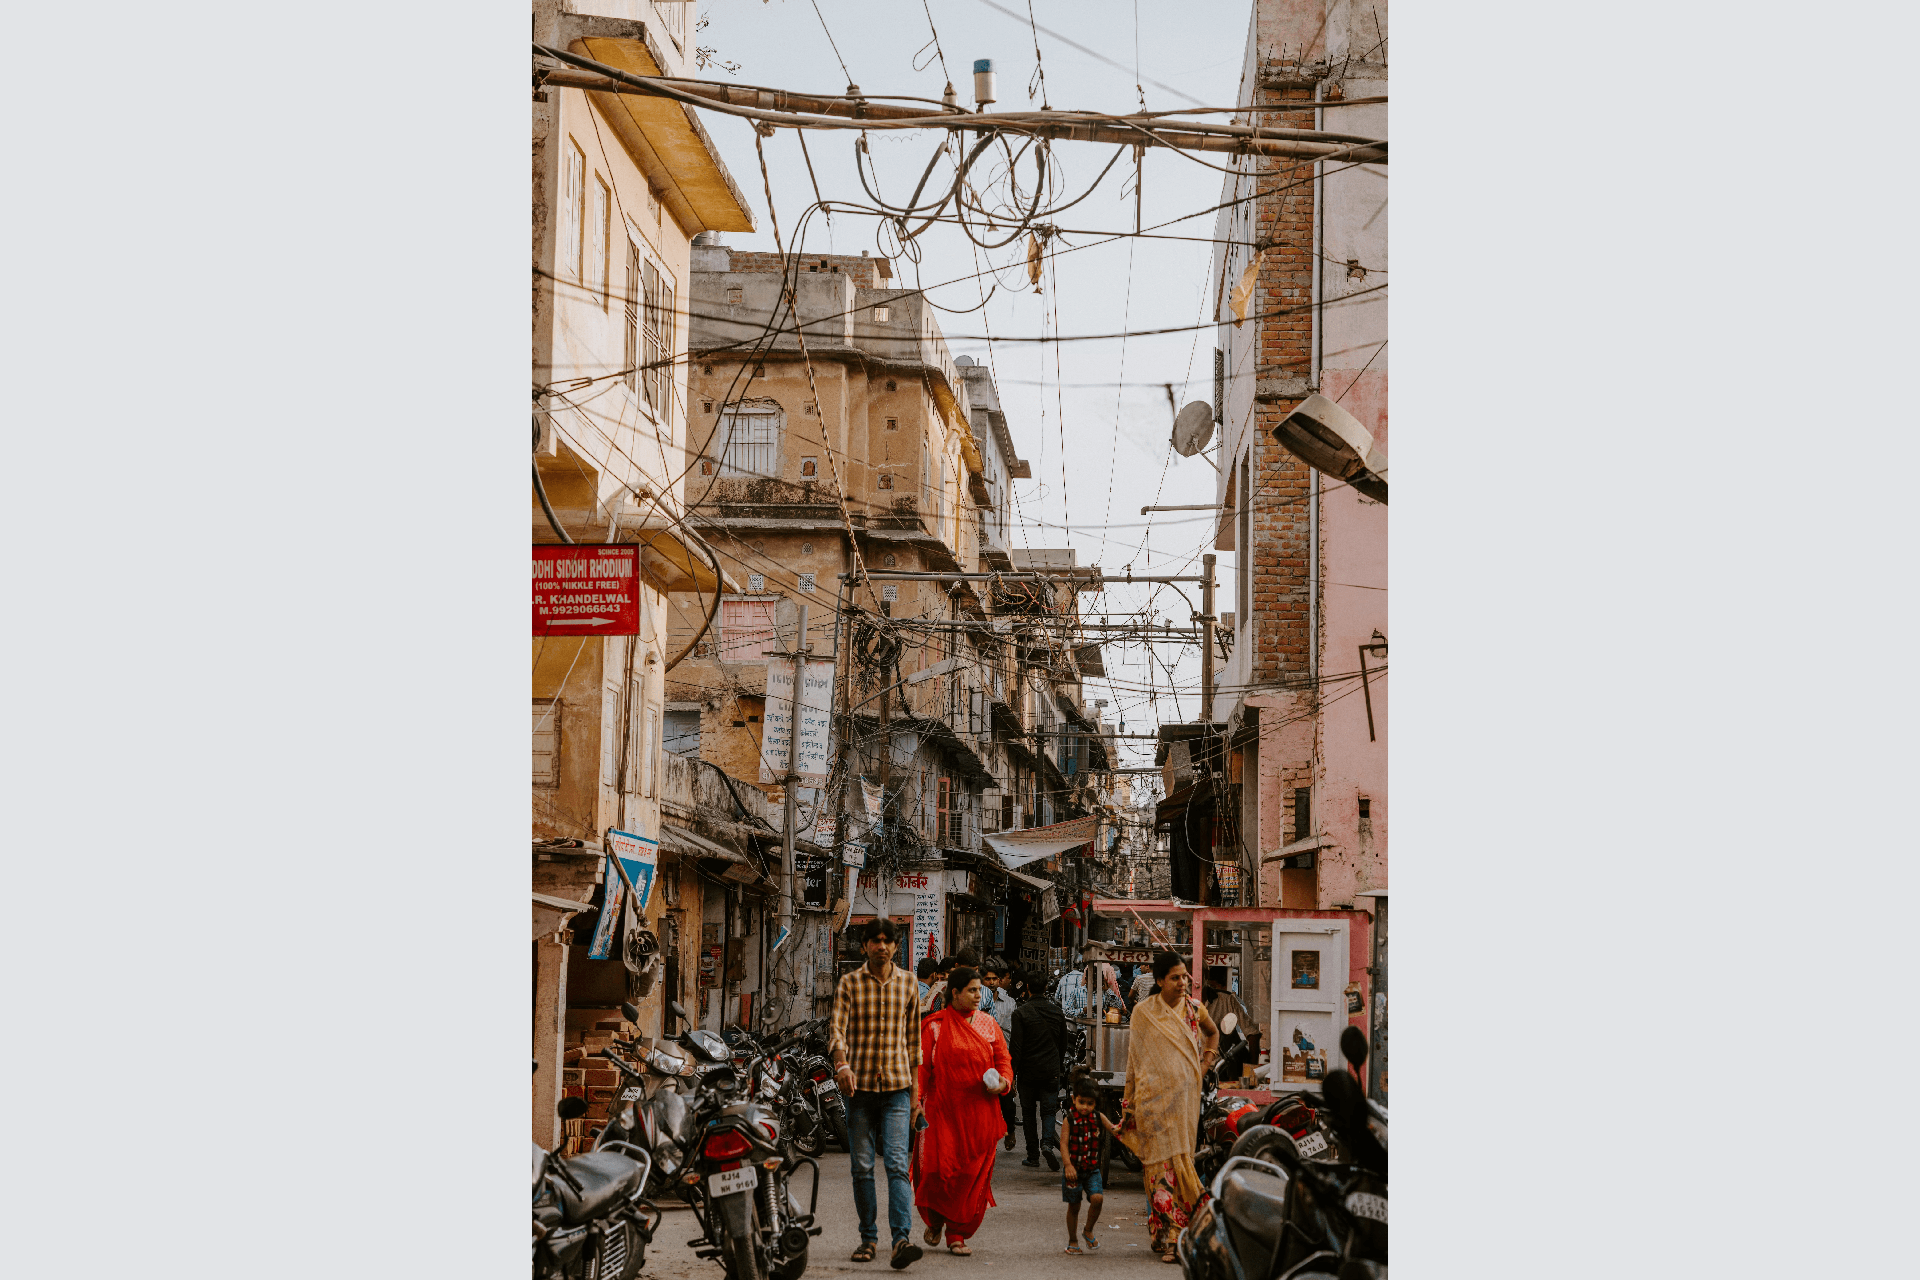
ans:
x=580 y=622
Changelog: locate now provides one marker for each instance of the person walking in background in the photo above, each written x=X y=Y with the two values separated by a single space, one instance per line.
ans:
x=1142 y=988
x=964 y=1068
x=1079 y=1140
x=1220 y=999
x=1172 y=1044
x=937 y=989
x=923 y=973
x=997 y=1002
x=1037 y=1043
x=876 y=1058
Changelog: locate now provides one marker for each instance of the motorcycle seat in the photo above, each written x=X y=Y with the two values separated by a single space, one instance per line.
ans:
x=1255 y=1206
x=607 y=1178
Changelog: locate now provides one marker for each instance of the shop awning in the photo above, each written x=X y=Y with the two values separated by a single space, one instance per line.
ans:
x=675 y=562
x=686 y=844
x=550 y=914
x=1174 y=805
x=1037 y=882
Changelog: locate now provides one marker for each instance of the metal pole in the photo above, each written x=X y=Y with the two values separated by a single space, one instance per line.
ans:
x=1366 y=693
x=1206 y=644
x=792 y=780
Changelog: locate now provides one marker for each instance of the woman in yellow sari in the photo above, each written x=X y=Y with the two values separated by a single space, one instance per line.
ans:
x=1172 y=1044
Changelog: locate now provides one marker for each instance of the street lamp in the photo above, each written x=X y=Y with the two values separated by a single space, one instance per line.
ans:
x=1377 y=647
x=1329 y=439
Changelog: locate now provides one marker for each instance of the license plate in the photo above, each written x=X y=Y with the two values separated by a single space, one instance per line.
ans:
x=728 y=1181
x=630 y=1093
x=825 y=1087
x=1362 y=1205
x=1312 y=1145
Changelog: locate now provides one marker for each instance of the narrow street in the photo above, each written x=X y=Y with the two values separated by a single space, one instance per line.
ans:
x=1023 y=1235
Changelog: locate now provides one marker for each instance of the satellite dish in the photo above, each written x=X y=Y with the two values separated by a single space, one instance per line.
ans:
x=1193 y=428
x=1329 y=439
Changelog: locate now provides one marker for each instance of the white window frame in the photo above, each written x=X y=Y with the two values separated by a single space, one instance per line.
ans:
x=602 y=240
x=546 y=724
x=752 y=454
x=573 y=216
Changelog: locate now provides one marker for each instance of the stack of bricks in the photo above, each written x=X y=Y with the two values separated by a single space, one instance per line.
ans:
x=583 y=1075
x=865 y=271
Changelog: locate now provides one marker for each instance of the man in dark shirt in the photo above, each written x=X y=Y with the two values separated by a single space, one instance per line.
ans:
x=1036 y=1044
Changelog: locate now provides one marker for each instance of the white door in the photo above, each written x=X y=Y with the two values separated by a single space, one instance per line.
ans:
x=1308 y=1008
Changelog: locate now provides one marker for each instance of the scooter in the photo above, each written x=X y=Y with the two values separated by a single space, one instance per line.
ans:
x=591 y=1217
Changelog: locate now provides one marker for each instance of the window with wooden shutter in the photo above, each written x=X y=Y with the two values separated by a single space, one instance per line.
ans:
x=650 y=344
x=546 y=742
x=747 y=632
x=666 y=324
x=602 y=240
x=633 y=317
x=573 y=205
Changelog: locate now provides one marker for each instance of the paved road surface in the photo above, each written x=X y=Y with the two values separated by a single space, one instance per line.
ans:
x=1023 y=1236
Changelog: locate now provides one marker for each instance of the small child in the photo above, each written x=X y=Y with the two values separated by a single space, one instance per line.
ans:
x=1080 y=1161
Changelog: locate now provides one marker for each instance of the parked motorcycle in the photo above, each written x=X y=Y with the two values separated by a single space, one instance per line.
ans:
x=591 y=1217
x=1222 y=1115
x=1275 y=1215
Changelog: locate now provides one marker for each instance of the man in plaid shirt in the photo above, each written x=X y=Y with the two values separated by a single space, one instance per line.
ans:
x=876 y=1055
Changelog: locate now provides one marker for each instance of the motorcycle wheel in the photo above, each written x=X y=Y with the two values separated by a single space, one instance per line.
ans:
x=837 y=1129
x=744 y=1258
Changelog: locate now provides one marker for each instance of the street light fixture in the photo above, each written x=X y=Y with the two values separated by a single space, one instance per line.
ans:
x=1328 y=438
x=1377 y=647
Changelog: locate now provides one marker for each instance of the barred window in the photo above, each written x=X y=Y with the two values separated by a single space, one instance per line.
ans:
x=752 y=438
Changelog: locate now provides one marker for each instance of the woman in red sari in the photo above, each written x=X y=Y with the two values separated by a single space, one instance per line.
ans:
x=953 y=1172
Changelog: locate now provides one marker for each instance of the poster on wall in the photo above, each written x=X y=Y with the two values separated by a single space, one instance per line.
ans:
x=927 y=923
x=616 y=891
x=1306 y=970
x=812 y=873
x=1302 y=1057
x=640 y=857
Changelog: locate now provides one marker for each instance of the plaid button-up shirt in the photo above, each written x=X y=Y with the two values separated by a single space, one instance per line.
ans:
x=877 y=1026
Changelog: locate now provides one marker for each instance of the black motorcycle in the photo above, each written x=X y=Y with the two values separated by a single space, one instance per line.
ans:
x=591 y=1217
x=1273 y=1214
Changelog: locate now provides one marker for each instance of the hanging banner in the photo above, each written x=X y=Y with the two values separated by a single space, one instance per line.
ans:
x=854 y=854
x=872 y=796
x=1017 y=848
x=602 y=945
x=586 y=591
x=813 y=759
x=640 y=856
x=1049 y=905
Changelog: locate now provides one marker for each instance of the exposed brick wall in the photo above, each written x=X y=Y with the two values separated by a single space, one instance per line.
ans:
x=1280 y=526
x=864 y=270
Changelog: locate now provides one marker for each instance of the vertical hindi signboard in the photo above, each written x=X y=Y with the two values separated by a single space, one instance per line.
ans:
x=814 y=759
x=586 y=591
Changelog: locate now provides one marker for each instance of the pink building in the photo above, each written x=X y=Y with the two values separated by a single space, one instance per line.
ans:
x=1281 y=801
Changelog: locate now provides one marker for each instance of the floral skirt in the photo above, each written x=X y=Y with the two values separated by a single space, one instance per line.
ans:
x=1173 y=1189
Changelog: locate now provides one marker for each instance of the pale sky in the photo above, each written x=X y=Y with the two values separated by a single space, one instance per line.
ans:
x=1104 y=399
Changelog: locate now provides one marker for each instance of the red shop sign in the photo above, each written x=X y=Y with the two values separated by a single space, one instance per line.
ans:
x=586 y=591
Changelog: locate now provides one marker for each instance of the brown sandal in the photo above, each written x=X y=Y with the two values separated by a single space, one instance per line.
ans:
x=959 y=1249
x=867 y=1251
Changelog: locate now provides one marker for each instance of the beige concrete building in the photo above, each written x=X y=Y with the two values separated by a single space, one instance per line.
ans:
x=620 y=186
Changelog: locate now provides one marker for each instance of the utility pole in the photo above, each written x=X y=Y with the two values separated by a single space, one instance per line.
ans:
x=1206 y=637
x=792 y=780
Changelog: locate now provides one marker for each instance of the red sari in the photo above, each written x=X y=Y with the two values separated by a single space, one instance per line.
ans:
x=953 y=1170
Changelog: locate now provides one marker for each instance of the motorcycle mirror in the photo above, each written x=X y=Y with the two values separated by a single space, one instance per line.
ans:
x=1228 y=1023
x=572 y=1108
x=679 y=1010
x=630 y=1012
x=1353 y=1046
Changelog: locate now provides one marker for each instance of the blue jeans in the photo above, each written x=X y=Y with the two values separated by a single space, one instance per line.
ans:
x=881 y=1119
